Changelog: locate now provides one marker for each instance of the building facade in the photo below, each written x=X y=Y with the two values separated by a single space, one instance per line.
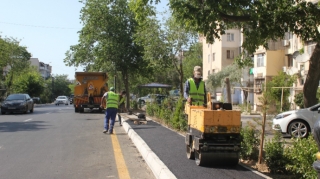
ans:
x=44 y=69
x=221 y=54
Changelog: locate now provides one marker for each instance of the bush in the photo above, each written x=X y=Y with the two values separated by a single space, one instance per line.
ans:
x=249 y=143
x=298 y=99
x=274 y=154
x=134 y=104
x=177 y=120
x=301 y=155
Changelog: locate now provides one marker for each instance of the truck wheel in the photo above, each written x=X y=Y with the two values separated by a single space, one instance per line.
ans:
x=190 y=153
x=81 y=110
x=76 y=110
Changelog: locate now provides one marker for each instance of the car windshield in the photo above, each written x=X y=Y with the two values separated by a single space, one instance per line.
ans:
x=16 y=97
x=62 y=97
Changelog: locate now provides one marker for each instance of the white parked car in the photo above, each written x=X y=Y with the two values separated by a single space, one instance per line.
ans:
x=149 y=98
x=298 y=123
x=62 y=100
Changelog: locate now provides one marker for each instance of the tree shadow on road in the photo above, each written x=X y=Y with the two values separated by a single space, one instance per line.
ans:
x=22 y=126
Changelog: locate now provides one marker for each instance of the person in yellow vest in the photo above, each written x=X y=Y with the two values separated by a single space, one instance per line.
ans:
x=195 y=89
x=122 y=106
x=111 y=108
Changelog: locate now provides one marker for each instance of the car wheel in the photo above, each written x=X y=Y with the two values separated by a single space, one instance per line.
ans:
x=26 y=111
x=143 y=102
x=31 y=110
x=3 y=112
x=299 y=129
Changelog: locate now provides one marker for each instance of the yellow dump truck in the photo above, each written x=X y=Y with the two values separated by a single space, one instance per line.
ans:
x=213 y=135
x=89 y=89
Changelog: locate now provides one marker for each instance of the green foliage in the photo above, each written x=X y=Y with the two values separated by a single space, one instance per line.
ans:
x=298 y=99
x=249 y=144
x=301 y=155
x=281 y=80
x=61 y=86
x=71 y=86
x=233 y=72
x=134 y=104
x=14 y=56
x=191 y=59
x=169 y=112
x=274 y=154
x=30 y=82
x=243 y=14
x=178 y=121
x=47 y=95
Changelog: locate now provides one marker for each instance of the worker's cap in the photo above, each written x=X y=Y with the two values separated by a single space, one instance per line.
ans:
x=111 y=89
x=197 y=69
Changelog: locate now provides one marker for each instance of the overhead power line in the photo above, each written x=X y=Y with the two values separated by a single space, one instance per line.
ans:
x=48 y=27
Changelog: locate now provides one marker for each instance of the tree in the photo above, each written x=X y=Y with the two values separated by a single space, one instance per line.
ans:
x=260 y=22
x=29 y=81
x=13 y=56
x=61 y=85
x=192 y=58
x=215 y=80
x=279 y=94
x=106 y=41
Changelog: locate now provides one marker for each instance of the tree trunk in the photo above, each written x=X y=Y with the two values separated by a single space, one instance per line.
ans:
x=126 y=84
x=181 y=80
x=312 y=81
x=262 y=137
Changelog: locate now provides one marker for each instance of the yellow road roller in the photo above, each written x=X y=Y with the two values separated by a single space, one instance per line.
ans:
x=213 y=136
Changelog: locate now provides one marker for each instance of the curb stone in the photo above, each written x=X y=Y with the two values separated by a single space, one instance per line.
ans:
x=159 y=169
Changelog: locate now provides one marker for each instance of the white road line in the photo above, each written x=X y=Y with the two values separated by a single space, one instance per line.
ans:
x=27 y=120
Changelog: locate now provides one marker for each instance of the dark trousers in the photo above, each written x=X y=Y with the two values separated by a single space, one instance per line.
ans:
x=111 y=114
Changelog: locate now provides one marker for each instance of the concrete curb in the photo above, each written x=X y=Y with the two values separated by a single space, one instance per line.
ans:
x=159 y=169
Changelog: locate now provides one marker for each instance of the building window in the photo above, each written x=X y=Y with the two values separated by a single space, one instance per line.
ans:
x=213 y=57
x=208 y=72
x=230 y=54
x=209 y=58
x=260 y=60
x=290 y=61
x=230 y=37
x=213 y=71
x=302 y=81
x=301 y=67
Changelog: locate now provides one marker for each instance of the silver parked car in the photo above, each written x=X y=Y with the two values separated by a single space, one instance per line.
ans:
x=17 y=103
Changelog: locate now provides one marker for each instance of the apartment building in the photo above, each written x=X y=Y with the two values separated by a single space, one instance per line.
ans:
x=44 y=69
x=219 y=55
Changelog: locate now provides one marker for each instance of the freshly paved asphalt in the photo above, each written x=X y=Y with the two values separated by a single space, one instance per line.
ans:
x=169 y=146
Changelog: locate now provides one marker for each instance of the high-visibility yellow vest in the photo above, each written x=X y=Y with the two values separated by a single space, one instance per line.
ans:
x=112 y=100
x=197 y=95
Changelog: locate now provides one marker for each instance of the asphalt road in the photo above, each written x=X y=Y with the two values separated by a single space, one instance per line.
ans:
x=56 y=143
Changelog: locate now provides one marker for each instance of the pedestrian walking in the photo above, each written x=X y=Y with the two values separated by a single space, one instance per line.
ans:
x=110 y=99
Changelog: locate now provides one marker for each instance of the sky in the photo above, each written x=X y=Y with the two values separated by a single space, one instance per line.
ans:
x=47 y=28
